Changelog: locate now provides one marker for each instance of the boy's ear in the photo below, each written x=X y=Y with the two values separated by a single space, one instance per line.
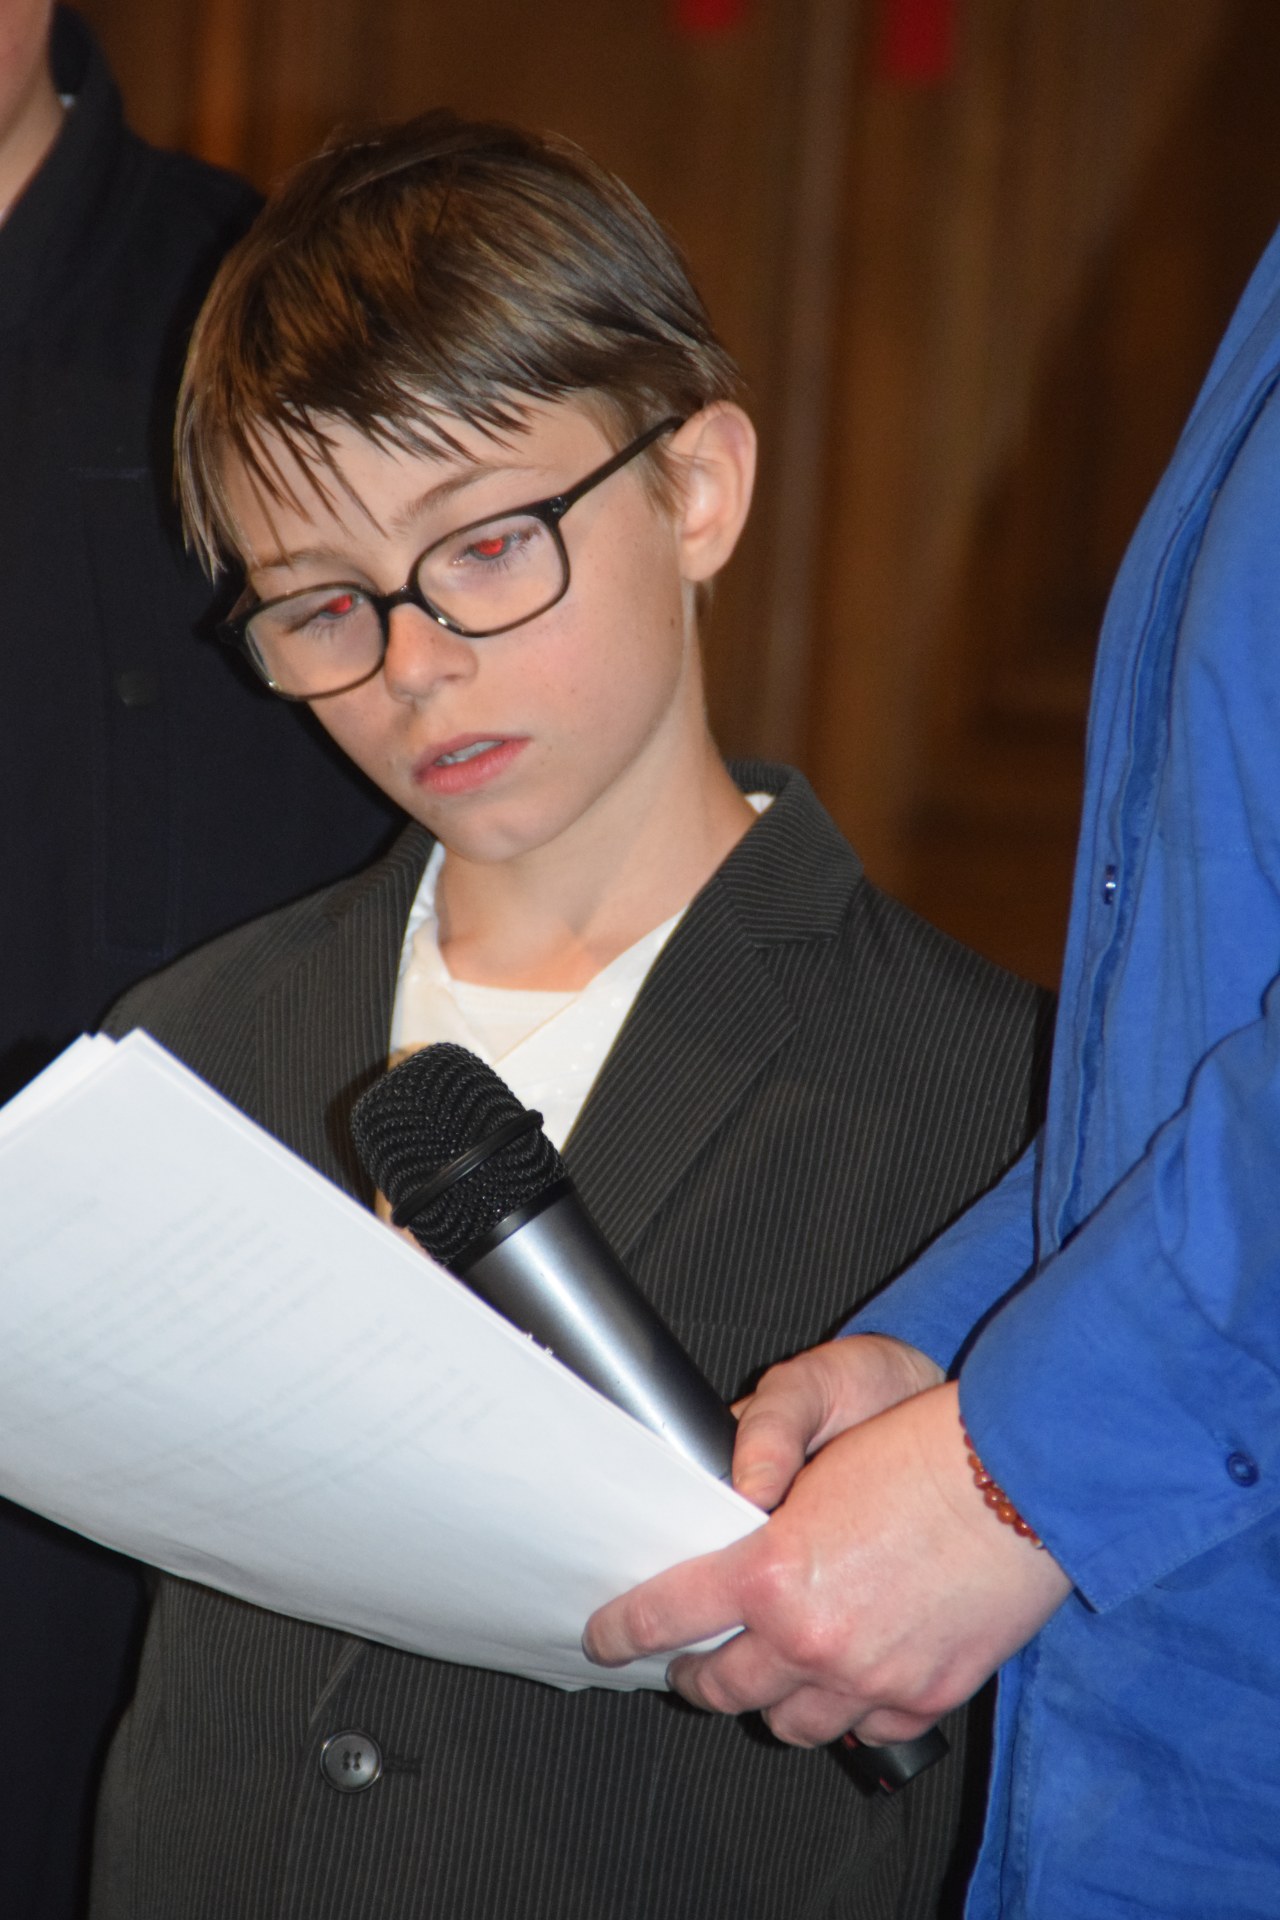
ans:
x=716 y=449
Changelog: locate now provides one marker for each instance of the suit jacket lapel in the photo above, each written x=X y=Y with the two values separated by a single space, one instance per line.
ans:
x=341 y=987
x=712 y=1013
x=707 y=1021
x=710 y=1017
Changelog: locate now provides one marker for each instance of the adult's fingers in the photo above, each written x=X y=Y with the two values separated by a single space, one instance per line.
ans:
x=742 y=1675
x=776 y=1428
x=813 y=1716
x=693 y=1601
x=802 y=1403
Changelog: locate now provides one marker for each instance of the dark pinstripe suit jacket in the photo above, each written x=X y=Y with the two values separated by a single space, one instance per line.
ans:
x=810 y=1084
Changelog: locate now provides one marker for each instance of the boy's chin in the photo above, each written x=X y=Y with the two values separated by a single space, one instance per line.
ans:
x=485 y=842
x=577 y=819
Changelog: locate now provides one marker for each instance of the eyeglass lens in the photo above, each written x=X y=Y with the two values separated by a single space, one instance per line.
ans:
x=482 y=579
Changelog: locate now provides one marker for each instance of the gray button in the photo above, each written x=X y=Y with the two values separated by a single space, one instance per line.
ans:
x=350 y=1761
x=137 y=687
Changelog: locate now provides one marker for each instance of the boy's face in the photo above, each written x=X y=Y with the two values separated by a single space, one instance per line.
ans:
x=29 y=111
x=25 y=26
x=506 y=744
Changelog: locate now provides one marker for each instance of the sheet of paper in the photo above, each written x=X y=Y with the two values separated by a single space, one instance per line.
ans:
x=214 y=1360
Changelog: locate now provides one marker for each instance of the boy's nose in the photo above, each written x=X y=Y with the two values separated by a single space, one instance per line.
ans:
x=421 y=653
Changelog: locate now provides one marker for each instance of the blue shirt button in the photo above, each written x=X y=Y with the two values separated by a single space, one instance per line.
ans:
x=1108 y=886
x=1242 y=1469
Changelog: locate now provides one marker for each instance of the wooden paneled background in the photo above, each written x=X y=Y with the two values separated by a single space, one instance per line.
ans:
x=973 y=310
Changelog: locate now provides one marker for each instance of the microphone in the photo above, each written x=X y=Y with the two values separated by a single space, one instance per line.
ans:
x=470 y=1172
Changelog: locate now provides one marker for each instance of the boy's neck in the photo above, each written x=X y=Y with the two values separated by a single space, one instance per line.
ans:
x=556 y=917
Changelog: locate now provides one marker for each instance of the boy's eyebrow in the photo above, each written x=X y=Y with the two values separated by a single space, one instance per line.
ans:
x=433 y=496
x=457 y=483
x=298 y=556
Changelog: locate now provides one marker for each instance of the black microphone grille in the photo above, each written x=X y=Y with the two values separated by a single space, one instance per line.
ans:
x=426 y=1113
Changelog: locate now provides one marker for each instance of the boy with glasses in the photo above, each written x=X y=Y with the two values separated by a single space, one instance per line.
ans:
x=456 y=406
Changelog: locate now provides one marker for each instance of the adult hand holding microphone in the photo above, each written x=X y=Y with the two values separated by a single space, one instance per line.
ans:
x=469 y=1172
x=883 y=1591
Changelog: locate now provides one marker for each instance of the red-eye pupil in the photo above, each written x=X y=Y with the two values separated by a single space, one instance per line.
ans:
x=342 y=603
x=489 y=549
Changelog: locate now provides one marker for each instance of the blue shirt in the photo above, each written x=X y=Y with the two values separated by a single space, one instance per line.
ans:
x=1113 y=1306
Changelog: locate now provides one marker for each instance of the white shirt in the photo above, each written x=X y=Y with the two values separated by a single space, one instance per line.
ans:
x=548 y=1047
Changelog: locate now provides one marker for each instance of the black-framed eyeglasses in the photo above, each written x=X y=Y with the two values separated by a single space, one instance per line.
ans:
x=481 y=579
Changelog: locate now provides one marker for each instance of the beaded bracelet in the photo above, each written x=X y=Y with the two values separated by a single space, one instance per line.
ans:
x=996 y=1497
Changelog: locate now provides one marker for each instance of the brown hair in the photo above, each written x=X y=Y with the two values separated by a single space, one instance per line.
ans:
x=438 y=270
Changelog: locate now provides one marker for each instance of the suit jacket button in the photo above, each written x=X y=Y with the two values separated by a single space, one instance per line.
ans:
x=350 y=1761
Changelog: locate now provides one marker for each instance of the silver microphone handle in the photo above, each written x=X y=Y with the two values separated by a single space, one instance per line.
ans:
x=556 y=1277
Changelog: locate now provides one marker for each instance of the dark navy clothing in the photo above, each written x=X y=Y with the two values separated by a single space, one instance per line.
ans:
x=150 y=794
x=1127 y=1395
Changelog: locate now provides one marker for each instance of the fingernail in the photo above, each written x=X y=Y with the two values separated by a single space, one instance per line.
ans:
x=754 y=1486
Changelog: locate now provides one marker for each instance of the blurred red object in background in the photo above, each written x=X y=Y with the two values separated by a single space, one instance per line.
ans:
x=708 y=16
x=916 y=41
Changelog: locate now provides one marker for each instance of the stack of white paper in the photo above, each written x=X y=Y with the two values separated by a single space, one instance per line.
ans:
x=214 y=1360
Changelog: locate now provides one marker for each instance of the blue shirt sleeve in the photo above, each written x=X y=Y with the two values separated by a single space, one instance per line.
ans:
x=937 y=1303
x=1129 y=1401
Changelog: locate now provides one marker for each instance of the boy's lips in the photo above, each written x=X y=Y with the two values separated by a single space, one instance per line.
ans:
x=466 y=762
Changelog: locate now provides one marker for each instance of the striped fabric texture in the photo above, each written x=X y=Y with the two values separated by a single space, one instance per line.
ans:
x=811 y=1083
